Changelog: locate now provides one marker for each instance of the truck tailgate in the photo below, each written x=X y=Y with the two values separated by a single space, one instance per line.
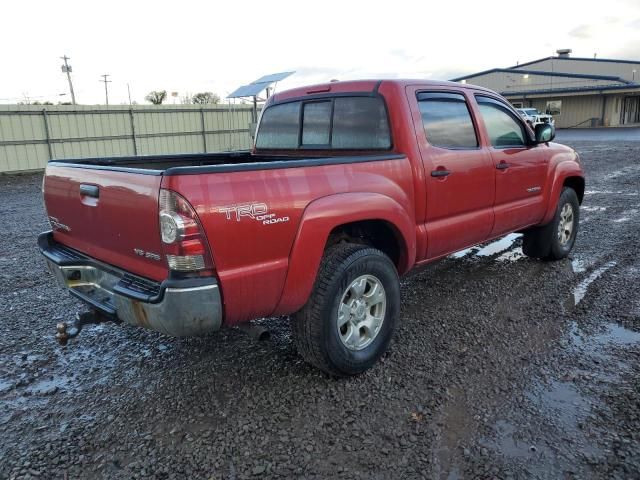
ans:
x=107 y=214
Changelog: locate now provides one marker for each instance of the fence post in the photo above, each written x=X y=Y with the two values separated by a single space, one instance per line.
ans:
x=204 y=132
x=47 y=133
x=133 y=132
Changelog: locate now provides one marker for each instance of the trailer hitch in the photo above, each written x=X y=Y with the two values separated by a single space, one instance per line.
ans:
x=67 y=330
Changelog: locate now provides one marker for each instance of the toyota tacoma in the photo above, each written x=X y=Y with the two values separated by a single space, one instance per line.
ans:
x=349 y=186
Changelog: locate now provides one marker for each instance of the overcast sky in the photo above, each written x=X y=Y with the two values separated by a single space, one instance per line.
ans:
x=189 y=46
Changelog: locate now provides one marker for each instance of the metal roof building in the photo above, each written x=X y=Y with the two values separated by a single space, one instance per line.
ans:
x=579 y=92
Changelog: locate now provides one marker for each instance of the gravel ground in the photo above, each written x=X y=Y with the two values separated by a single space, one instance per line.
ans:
x=502 y=367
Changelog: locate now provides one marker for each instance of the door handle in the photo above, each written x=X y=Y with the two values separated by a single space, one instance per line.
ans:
x=89 y=190
x=502 y=166
x=440 y=173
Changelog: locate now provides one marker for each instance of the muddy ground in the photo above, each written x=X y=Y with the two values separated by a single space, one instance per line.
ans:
x=502 y=367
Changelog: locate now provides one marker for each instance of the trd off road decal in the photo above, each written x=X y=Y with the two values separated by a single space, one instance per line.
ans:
x=256 y=211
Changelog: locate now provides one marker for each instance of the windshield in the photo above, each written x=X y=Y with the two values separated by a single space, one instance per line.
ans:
x=531 y=111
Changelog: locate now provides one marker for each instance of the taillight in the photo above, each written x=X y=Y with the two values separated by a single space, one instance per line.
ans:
x=183 y=240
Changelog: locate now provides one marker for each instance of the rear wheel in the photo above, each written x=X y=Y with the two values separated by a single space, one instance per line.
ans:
x=556 y=239
x=348 y=321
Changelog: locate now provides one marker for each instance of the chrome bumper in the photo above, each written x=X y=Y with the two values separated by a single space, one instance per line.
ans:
x=188 y=307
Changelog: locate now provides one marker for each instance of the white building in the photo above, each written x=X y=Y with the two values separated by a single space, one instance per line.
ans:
x=579 y=92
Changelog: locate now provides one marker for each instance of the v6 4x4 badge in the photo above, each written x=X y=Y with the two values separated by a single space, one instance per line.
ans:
x=255 y=211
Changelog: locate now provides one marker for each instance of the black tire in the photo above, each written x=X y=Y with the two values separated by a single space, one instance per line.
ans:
x=544 y=242
x=314 y=327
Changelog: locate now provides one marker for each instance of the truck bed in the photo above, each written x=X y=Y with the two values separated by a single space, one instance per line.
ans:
x=180 y=164
x=164 y=162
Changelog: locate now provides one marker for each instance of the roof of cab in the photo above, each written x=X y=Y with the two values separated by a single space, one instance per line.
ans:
x=371 y=85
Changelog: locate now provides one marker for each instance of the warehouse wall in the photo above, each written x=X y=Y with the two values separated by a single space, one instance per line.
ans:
x=613 y=110
x=576 y=111
x=30 y=135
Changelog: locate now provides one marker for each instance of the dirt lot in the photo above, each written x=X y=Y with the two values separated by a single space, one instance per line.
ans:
x=502 y=367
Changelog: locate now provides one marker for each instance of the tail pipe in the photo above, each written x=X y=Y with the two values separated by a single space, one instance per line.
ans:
x=255 y=331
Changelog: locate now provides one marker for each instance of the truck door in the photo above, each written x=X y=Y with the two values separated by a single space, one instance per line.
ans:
x=521 y=168
x=459 y=173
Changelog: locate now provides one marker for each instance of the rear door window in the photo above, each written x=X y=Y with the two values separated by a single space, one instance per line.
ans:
x=446 y=120
x=337 y=123
x=504 y=129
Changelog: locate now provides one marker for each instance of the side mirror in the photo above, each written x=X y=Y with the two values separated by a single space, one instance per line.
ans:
x=545 y=133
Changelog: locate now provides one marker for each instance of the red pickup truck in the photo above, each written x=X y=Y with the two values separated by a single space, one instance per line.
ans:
x=349 y=186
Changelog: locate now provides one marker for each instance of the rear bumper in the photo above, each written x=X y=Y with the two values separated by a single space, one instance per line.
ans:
x=186 y=307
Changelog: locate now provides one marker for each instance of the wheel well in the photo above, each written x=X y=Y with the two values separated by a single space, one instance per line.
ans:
x=576 y=183
x=379 y=234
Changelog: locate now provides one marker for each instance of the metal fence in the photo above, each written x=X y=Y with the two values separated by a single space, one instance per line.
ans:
x=30 y=135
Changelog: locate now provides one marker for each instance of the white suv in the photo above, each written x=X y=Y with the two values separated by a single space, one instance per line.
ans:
x=534 y=117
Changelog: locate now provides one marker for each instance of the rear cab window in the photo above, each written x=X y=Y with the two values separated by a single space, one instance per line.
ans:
x=447 y=120
x=332 y=123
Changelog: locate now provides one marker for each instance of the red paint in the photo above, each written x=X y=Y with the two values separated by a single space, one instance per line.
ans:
x=124 y=217
x=267 y=269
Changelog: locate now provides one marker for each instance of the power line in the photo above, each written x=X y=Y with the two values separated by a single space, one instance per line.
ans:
x=106 y=90
x=66 y=68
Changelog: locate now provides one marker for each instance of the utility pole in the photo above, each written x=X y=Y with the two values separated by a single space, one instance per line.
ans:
x=66 y=68
x=129 y=92
x=106 y=90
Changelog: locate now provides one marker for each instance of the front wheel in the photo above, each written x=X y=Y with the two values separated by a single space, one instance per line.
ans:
x=348 y=321
x=555 y=240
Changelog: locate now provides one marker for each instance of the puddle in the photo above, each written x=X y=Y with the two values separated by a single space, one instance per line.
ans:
x=498 y=246
x=511 y=256
x=48 y=386
x=490 y=249
x=623 y=172
x=610 y=192
x=581 y=290
x=617 y=335
x=509 y=442
x=599 y=346
x=627 y=215
x=580 y=262
x=463 y=253
x=578 y=266
x=5 y=386
x=565 y=399
x=563 y=406
x=457 y=427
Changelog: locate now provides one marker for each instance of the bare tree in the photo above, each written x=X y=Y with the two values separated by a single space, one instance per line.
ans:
x=205 y=97
x=156 y=97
